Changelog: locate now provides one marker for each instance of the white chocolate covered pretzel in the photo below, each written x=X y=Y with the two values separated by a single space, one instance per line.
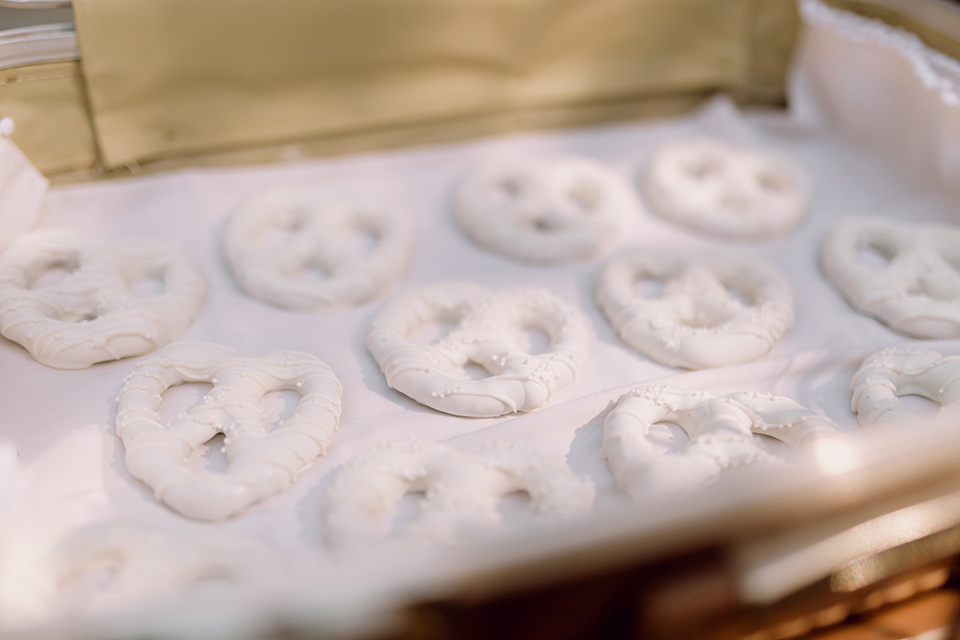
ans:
x=461 y=490
x=288 y=250
x=720 y=428
x=904 y=275
x=95 y=311
x=544 y=211
x=260 y=463
x=891 y=373
x=720 y=190
x=120 y=564
x=696 y=320
x=486 y=326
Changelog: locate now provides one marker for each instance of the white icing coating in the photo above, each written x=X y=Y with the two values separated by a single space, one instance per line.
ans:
x=293 y=252
x=461 y=490
x=111 y=566
x=260 y=463
x=484 y=334
x=720 y=428
x=720 y=190
x=696 y=320
x=891 y=373
x=93 y=313
x=544 y=211
x=911 y=284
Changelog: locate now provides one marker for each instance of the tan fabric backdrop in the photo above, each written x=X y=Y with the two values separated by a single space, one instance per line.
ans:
x=222 y=80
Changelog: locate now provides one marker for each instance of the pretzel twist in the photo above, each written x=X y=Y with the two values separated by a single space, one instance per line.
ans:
x=259 y=463
x=891 y=373
x=724 y=191
x=93 y=313
x=137 y=563
x=696 y=320
x=292 y=252
x=915 y=290
x=720 y=428
x=461 y=491
x=518 y=381
x=544 y=212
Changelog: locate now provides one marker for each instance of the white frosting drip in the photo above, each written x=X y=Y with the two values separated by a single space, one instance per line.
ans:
x=518 y=381
x=276 y=241
x=461 y=491
x=916 y=291
x=888 y=374
x=720 y=427
x=724 y=191
x=259 y=463
x=109 y=567
x=695 y=321
x=92 y=314
x=544 y=211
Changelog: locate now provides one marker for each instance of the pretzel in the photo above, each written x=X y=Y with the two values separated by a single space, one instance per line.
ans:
x=93 y=313
x=915 y=291
x=259 y=463
x=888 y=374
x=517 y=381
x=461 y=491
x=696 y=321
x=720 y=428
x=544 y=211
x=109 y=566
x=295 y=253
x=723 y=191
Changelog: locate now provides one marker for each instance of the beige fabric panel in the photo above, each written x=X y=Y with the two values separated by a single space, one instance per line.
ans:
x=936 y=23
x=177 y=77
x=46 y=102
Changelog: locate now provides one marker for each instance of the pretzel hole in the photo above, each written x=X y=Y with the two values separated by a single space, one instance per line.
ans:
x=509 y=188
x=920 y=406
x=469 y=371
x=703 y=168
x=667 y=437
x=649 y=288
x=530 y=338
x=314 y=271
x=517 y=509
x=585 y=194
x=746 y=298
x=407 y=510
x=773 y=446
x=179 y=399
x=278 y=407
x=212 y=455
x=54 y=273
x=280 y=231
x=773 y=182
x=544 y=224
x=364 y=241
x=148 y=286
x=874 y=257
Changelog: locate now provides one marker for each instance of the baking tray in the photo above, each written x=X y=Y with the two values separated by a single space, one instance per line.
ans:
x=750 y=532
